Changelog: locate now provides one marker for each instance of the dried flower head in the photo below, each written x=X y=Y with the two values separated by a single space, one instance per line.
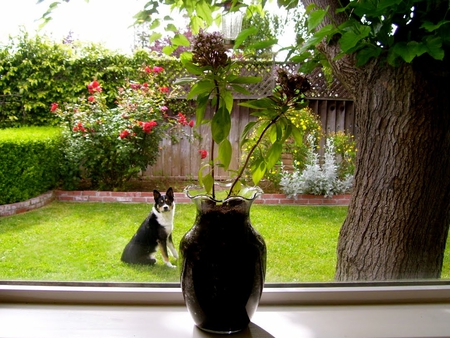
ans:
x=208 y=49
x=292 y=85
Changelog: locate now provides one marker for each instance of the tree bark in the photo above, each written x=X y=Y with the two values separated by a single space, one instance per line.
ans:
x=398 y=218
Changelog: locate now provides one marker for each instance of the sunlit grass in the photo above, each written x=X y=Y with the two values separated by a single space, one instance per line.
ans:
x=84 y=242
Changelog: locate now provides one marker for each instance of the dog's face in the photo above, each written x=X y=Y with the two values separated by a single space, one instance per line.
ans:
x=163 y=203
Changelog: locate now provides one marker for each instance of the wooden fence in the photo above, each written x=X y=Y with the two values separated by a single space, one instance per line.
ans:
x=182 y=160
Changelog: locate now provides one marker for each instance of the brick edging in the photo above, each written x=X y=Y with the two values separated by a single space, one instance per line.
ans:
x=32 y=203
x=147 y=197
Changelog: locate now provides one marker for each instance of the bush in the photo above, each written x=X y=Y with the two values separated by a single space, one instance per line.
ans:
x=29 y=162
x=109 y=146
x=36 y=72
x=308 y=123
x=316 y=178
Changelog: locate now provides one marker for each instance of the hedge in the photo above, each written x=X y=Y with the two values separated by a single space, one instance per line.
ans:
x=29 y=162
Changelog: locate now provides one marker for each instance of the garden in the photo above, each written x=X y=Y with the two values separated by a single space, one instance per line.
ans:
x=102 y=130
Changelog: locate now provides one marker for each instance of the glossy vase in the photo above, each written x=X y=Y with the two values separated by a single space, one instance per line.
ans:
x=224 y=262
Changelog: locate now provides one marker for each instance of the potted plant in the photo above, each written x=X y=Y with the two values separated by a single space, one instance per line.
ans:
x=224 y=258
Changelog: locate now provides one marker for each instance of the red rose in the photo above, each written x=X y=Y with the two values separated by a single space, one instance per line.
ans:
x=91 y=98
x=93 y=87
x=124 y=134
x=203 y=153
x=53 y=107
x=148 y=69
x=191 y=123
x=157 y=69
x=164 y=89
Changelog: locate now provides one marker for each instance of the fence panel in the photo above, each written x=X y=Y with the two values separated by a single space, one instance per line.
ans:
x=182 y=160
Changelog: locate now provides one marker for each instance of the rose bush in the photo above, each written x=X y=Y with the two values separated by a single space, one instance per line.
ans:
x=110 y=146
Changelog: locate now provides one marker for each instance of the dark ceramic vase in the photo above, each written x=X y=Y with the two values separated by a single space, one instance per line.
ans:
x=224 y=263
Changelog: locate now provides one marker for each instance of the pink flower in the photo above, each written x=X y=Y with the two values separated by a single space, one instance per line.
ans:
x=203 y=153
x=164 y=108
x=157 y=69
x=124 y=134
x=91 y=98
x=148 y=69
x=191 y=123
x=53 y=107
x=93 y=87
x=135 y=86
x=164 y=89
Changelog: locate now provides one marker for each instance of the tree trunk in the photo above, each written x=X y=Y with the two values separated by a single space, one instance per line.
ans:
x=398 y=218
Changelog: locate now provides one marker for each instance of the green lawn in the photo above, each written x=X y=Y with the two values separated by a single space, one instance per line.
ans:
x=84 y=242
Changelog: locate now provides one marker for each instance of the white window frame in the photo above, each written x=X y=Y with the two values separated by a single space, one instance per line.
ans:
x=274 y=294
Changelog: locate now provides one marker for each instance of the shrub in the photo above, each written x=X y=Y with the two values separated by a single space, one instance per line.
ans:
x=316 y=178
x=108 y=146
x=29 y=162
x=308 y=123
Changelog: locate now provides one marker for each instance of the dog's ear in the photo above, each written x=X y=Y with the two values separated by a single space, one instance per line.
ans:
x=156 y=194
x=169 y=193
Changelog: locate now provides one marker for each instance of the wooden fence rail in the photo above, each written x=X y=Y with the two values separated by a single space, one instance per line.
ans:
x=182 y=160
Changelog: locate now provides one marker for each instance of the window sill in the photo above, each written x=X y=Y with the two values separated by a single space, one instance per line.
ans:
x=352 y=311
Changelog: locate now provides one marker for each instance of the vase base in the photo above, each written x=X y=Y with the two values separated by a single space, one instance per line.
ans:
x=220 y=332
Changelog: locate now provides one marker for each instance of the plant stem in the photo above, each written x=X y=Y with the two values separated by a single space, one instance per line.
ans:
x=211 y=155
x=241 y=172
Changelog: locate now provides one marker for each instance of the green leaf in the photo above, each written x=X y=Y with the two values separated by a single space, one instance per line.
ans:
x=244 y=79
x=227 y=98
x=274 y=154
x=155 y=24
x=221 y=125
x=365 y=54
x=350 y=38
x=431 y=27
x=180 y=40
x=155 y=36
x=225 y=152
x=298 y=135
x=171 y=28
x=248 y=127
x=202 y=103
x=433 y=45
x=263 y=44
x=240 y=89
x=258 y=171
x=168 y=49
x=243 y=35
x=204 y=11
x=184 y=80
x=264 y=103
x=201 y=87
x=315 y=18
x=208 y=182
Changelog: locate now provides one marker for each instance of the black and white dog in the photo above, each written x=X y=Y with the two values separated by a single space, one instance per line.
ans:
x=155 y=231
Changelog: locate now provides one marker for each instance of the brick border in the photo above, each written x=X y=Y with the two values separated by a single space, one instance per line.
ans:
x=147 y=197
x=33 y=203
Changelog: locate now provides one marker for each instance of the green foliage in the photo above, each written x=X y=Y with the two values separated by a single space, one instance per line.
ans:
x=306 y=122
x=108 y=146
x=29 y=162
x=40 y=72
x=345 y=149
x=398 y=31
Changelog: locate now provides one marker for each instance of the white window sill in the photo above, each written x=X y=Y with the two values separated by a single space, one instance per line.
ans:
x=380 y=311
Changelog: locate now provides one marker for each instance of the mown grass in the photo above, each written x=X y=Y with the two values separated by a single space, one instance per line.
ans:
x=84 y=242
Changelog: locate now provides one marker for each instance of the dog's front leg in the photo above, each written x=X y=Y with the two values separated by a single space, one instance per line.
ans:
x=172 y=247
x=163 y=246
